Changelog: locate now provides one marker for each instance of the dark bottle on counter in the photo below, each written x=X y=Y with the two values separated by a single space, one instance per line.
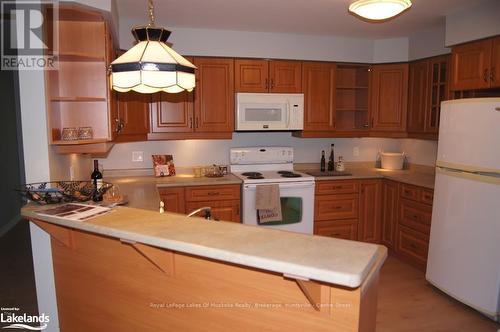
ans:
x=96 y=178
x=323 y=161
x=331 y=159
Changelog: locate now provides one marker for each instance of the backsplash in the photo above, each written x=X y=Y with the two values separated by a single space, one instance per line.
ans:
x=205 y=152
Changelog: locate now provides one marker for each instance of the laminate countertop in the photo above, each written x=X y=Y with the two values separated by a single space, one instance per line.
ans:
x=334 y=261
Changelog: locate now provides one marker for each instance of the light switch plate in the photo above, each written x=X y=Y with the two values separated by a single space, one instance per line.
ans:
x=138 y=156
x=355 y=151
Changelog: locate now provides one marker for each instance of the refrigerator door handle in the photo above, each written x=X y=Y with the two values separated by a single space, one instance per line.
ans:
x=485 y=177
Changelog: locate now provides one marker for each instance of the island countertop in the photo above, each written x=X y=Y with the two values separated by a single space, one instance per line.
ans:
x=335 y=261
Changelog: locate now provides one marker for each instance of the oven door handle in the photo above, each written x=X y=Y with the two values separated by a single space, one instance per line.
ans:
x=282 y=185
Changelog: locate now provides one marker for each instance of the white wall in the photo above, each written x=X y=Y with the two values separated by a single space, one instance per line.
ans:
x=390 y=50
x=478 y=22
x=420 y=152
x=205 y=152
x=428 y=42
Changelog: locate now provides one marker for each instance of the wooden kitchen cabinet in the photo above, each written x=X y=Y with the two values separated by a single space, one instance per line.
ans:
x=278 y=76
x=414 y=223
x=352 y=92
x=221 y=210
x=370 y=211
x=390 y=213
x=336 y=209
x=172 y=112
x=224 y=200
x=429 y=86
x=132 y=116
x=471 y=65
x=389 y=98
x=78 y=92
x=173 y=198
x=319 y=98
x=418 y=99
x=495 y=63
x=214 y=95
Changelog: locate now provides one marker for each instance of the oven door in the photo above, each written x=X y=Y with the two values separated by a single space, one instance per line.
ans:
x=263 y=116
x=297 y=207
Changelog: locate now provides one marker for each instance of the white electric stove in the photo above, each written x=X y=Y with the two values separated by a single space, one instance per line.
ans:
x=274 y=165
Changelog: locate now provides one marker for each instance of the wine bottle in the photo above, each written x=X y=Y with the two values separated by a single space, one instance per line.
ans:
x=331 y=159
x=323 y=161
x=96 y=178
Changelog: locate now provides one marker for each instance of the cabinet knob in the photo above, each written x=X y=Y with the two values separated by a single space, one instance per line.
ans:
x=485 y=77
x=492 y=74
x=190 y=122
x=267 y=84
x=272 y=83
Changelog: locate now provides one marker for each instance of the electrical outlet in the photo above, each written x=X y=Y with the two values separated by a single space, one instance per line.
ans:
x=355 y=151
x=138 y=156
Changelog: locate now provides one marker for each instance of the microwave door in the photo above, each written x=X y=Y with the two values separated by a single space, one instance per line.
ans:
x=260 y=116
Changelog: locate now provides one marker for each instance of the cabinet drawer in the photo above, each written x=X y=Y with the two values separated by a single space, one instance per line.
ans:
x=427 y=196
x=336 y=187
x=343 y=229
x=332 y=207
x=415 y=216
x=410 y=192
x=413 y=245
x=212 y=193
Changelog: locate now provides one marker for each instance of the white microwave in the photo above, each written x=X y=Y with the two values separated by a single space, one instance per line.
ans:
x=269 y=111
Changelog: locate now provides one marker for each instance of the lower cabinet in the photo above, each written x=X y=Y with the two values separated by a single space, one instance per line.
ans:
x=224 y=200
x=336 y=209
x=390 y=211
x=369 y=210
x=394 y=214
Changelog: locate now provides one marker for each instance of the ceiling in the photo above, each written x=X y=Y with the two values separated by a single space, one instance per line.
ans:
x=311 y=17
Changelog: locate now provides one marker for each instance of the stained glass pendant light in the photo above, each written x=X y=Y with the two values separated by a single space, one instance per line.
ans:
x=151 y=65
x=377 y=10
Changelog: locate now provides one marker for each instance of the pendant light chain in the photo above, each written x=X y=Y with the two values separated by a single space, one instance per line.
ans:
x=151 y=9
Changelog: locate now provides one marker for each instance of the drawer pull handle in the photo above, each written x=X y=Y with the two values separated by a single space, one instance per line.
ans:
x=213 y=193
x=407 y=192
x=413 y=246
x=338 y=207
x=415 y=216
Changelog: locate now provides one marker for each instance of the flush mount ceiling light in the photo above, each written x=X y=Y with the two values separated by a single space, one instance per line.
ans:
x=377 y=10
x=151 y=66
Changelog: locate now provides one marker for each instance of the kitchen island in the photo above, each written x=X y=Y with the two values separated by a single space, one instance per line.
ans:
x=138 y=270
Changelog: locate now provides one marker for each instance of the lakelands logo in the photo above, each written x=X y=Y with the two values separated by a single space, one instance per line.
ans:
x=24 y=23
x=23 y=321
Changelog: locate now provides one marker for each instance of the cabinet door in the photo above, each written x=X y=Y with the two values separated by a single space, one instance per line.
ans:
x=133 y=116
x=470 y=65
x=369 y=211
x=389 y=213
x=285 y=76
x=173 y=198
x=495 y=63
x=418 y=96
x=251 y=75
x=214 y=95
x=319 y=84
x=172 y=112
x=389 y=97
x=438 y=91
x=221 y=210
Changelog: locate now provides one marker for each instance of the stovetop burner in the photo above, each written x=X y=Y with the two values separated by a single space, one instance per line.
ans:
x=290 y=175
x=252 y=174
x=255 y=177
x=285 y=172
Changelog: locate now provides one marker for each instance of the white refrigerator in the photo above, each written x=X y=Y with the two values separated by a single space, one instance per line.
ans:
x=464 y=250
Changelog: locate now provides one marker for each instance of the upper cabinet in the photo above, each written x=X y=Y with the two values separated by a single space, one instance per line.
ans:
x=352 y=98
x=389 y=99
x=214 y=95
x=79 y=100
x=277 y=76
x=132 y=120
x=429 y=86
x=476 y=65
x=319 y=86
